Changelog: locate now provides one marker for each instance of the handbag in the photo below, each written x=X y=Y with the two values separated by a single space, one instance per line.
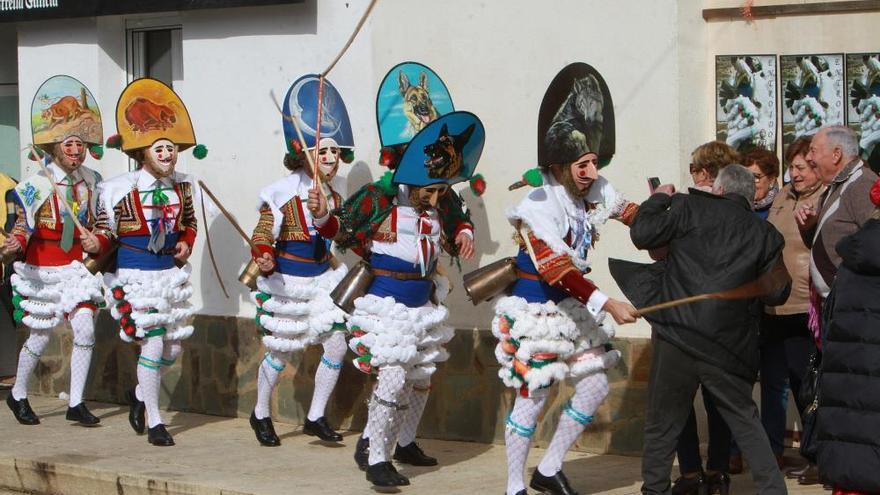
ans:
x=809 y=394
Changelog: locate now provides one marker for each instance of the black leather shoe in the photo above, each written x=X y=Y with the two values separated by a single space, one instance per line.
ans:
x=319 y=428
x=136 y=412
x=22 y=411
x=796 y=473
x=81 y=414
x=362 y=453
x=159 y=436
x=554 y=485
x=413 y=455
x=694 y=485
x=718 y=483
x=384 y=474
x=810 y=476
x=265 y=431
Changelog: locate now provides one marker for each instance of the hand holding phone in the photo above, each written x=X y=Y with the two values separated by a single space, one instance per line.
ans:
x=653 y=183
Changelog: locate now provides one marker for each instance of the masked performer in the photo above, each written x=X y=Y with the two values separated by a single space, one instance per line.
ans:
x=553 y=325
x=294 y=309
x=148 y=217
x=52 y=285
x=400 y=226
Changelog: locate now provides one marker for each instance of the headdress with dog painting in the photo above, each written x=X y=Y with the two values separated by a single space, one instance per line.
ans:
x=301 y=103
x=410 y=97
x=62 y=108
x=446 y=151
x=149 y=110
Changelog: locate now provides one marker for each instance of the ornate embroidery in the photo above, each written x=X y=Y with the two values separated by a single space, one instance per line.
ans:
x=293 y=226
x=127 y=219
x=263 y=231
x=30 y=194
x=387 y=231
x=187 y=212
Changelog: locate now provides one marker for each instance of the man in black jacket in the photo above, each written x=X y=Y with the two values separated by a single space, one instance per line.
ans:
x=715 y=244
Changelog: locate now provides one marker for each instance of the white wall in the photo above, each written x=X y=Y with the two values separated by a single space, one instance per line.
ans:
x=497 y=59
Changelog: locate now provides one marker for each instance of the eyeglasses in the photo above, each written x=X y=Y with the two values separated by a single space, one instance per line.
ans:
x=759 y=176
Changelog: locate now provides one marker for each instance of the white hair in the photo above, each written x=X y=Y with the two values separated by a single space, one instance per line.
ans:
x=844 y=137
x=735 y=179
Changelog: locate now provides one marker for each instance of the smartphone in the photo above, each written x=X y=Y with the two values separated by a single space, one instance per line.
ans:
x=653 y=183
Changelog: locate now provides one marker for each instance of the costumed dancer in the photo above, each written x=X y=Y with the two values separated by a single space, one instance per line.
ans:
x=148 y=217
x=51 y=284
x=410 y=97
x=294 y=309
x=553 y=325
x=399 y=226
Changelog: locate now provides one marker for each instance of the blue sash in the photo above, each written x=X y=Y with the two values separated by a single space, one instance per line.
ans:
x=140 y=259
x=411 y=293
x=534 y=291
x=316 y=249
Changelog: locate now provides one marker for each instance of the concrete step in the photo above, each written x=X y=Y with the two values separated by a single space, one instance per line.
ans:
x=220 y=456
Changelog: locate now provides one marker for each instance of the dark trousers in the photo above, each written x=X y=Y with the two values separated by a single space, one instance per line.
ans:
x=8 y=340
x=688 y=448
x=675 y=376
x=786 y=347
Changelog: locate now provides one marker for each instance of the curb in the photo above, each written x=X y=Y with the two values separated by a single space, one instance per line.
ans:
x=35 y=476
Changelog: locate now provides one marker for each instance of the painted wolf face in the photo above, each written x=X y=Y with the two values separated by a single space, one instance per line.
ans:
x=417 y=104
x=444 y=156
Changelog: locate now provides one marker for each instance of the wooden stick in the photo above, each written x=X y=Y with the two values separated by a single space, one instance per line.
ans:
x=677 y=302
x=229 y=217
x=211 y=248
x=302 y=141
x=315 y=172
x=62 y=199
x=351 y=38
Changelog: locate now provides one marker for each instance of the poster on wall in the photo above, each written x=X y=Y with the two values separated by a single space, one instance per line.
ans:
x=745 y=101
x=813 y=94
x=863 y=101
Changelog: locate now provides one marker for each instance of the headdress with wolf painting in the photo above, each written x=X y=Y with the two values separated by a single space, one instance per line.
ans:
x=576 y=117
x=410 y=97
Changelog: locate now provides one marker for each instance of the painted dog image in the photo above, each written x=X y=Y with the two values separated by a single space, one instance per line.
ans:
x=445 y=155
x=417 y=104
x=577 y=124
x=144 y=115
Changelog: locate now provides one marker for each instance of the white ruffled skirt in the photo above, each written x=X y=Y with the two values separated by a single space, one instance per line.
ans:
x=146 y=300
x=296 y=312
x=387 y=333
x=45 y=295
x=539 y=343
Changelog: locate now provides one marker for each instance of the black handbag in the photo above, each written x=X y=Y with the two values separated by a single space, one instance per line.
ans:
x=809 y=395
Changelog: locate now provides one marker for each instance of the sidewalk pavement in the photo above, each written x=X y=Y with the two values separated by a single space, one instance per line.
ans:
x=220 y=456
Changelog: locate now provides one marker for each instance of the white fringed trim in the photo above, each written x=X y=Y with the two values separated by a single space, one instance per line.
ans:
x=51 y=292
x=593 y=363
x=397 y=335
x=566 y=329
x=302 y=311
x=166 y=291
x=442 y=288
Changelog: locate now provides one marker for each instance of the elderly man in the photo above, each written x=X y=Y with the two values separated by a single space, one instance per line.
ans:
x=843 y=208
x=712 y=343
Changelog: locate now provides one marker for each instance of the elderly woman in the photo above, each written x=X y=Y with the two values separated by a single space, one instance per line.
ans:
x=706 y=161
x=786 y=342
x=765 y=167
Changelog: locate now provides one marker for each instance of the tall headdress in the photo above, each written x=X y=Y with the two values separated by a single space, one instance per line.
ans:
x=149 y=110
x=62 y=108
x=301 y=103
x=410 y=97
x=446 y=151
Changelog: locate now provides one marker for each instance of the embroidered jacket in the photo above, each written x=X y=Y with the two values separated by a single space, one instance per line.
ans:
x=128 y=216
x=367 y=216
x=39 y=217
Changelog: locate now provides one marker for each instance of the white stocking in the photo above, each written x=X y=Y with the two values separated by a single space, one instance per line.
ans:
x=327 y=374
x=366 y=433
x=518 y=437
x=27 y=360
x=417 y=398
x=386 y=412
x=272 y=365
x=589 y=393
x=83 y=324
x=149 y=378
x=170 y=350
